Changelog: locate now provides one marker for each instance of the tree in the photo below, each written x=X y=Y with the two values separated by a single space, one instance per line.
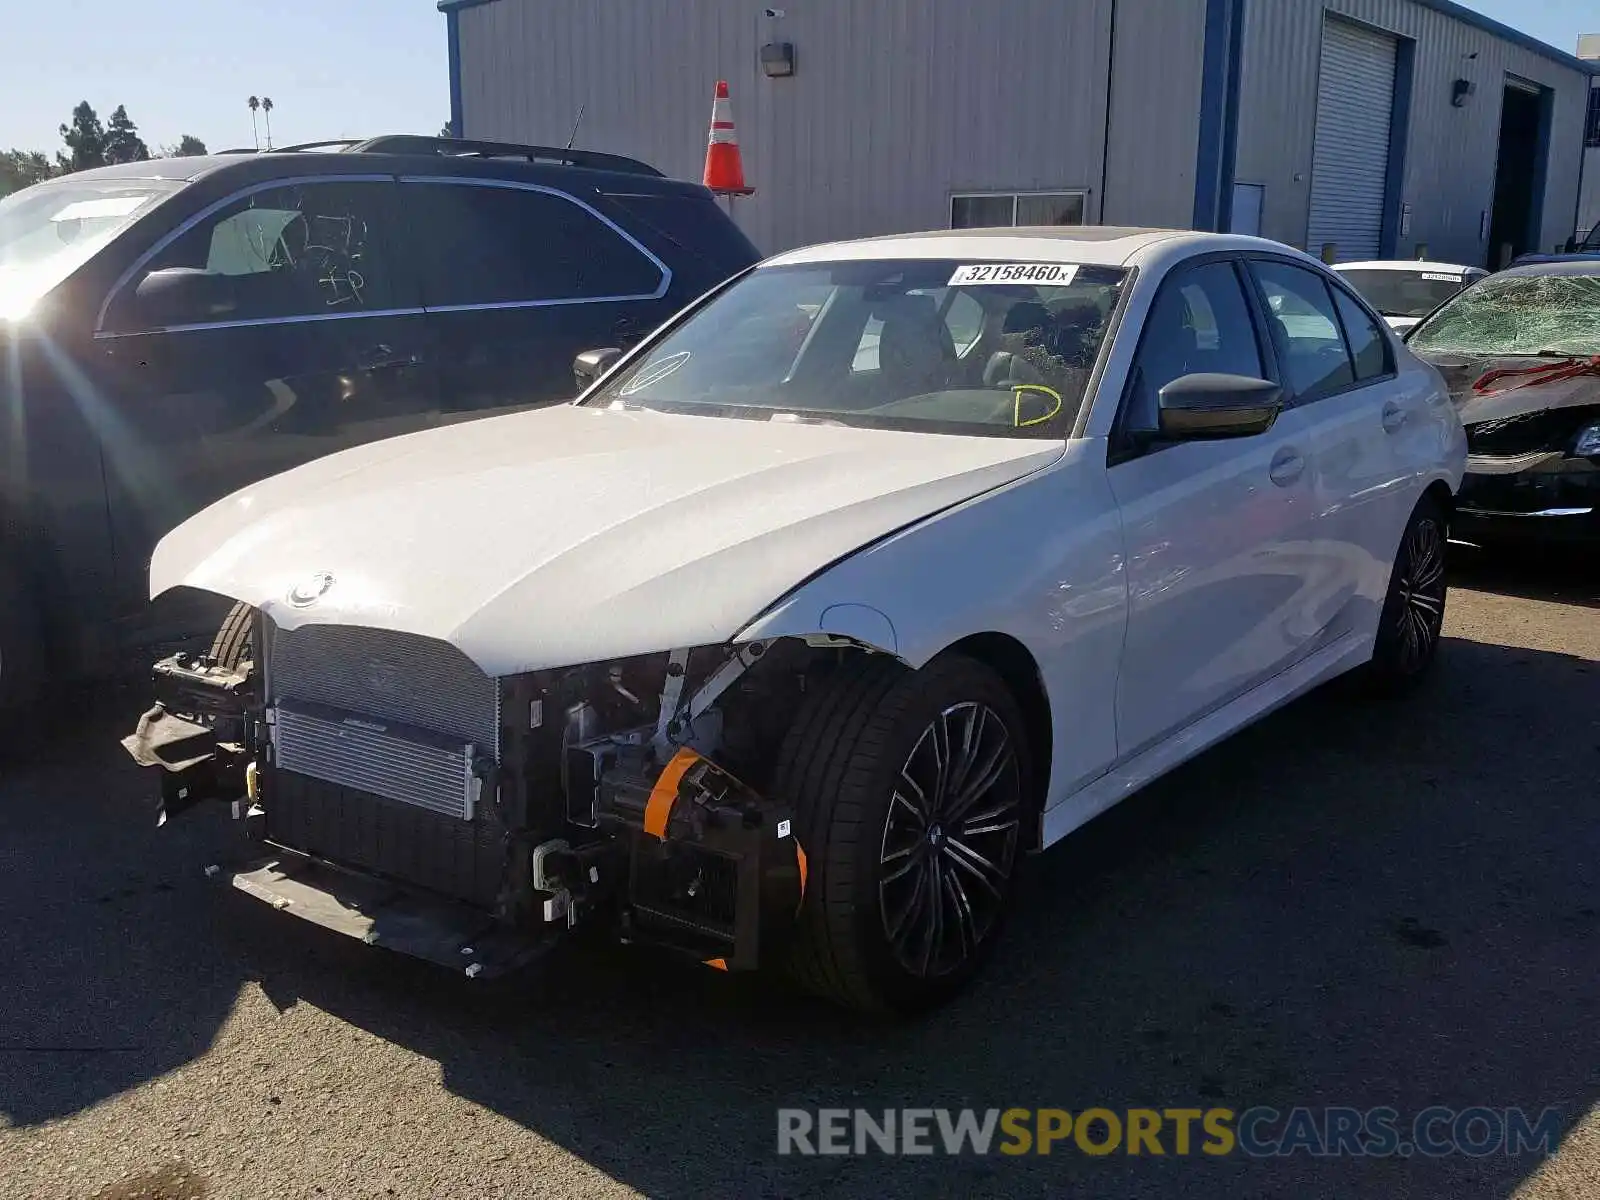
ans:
x=123 y=143
x=188 y=146
x=447 y=131
x=85 y=138
x=23 y=168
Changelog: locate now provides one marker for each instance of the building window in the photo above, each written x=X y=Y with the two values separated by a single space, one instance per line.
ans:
x=1591 y=127
x=987 y=210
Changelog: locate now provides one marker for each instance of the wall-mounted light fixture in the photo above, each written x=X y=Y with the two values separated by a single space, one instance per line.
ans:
x=1460 y=90
x=777 y=59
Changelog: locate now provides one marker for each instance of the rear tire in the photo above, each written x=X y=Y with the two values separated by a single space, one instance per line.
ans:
x=912 y=863
x=233 y=643
x=1413 y=610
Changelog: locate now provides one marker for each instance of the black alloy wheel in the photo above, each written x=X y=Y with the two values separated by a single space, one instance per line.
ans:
x=949 y=844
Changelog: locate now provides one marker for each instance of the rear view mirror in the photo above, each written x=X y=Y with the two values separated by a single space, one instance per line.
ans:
x=593 y=365
x=1209 y=405
x=184 y=296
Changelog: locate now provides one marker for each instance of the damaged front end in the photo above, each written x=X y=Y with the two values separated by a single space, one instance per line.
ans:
x=1533 y=447
x=392 y=791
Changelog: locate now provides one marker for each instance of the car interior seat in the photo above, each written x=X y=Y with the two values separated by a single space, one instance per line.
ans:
x=1027 y=323
x=915 y=349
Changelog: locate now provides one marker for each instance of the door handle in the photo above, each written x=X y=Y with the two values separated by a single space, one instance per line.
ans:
x=1393 y=417
x=1287 y=466
x=384 y=357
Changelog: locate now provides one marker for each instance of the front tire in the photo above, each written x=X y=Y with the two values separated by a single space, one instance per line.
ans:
x=1413 y=610
x=232 y=644
x=910 y=791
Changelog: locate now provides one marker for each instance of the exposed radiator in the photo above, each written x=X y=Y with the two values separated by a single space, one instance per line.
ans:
x=414 y=766
x=398 y=678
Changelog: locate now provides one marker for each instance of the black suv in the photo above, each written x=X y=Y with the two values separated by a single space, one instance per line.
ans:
x=171 y=331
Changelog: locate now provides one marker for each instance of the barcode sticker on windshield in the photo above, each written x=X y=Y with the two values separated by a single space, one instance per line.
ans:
x=1056 y=274
x=1441 y=278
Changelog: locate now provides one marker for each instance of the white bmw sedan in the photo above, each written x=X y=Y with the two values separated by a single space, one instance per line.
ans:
x=883 y=565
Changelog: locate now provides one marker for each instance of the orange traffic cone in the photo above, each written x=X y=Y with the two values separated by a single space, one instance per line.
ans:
x=724 y=167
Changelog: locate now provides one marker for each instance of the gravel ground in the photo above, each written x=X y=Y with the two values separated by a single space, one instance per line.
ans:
x=1346 y=905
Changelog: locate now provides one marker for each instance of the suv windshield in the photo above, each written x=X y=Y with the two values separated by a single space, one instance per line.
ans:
x=943 y=346
x=1406 y=293
x=50 y=229
x=1509 y=315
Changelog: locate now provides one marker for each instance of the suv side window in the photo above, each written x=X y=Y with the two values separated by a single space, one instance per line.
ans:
x=1311 y=346
x=1369 y=349
x=302 y=250
x=483 y=244
x=1200 y=321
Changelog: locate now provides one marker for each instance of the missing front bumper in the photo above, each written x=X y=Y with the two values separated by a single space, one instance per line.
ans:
x=380 y=913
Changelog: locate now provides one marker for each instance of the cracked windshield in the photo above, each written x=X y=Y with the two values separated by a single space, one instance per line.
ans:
x=1508 y=316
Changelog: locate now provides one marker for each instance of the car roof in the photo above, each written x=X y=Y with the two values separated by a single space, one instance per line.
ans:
x=1404 y=264
x=1568 y=266
x=1089 y=245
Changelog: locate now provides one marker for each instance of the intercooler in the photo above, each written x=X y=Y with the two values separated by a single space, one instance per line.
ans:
x=376 y=737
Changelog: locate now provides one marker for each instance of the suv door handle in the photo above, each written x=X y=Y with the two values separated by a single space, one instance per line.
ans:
x=1287 y=466
x=1393 y=417
x=383 y=357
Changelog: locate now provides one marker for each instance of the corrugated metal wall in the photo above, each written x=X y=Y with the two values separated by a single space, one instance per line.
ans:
x=1450 y=161
x=1155 y=112
x=895 y=104
x=898 y=103
x=1589 y=204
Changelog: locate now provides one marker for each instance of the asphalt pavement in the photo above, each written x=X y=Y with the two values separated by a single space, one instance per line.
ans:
x=1350 y=904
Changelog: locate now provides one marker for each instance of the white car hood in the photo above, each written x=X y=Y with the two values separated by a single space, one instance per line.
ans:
x=570 y=535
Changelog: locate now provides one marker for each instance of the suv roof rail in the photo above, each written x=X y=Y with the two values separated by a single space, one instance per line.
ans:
x=342 y=143
x=466 y=148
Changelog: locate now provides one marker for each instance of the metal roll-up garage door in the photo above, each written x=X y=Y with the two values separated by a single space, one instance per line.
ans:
x=1350 y=162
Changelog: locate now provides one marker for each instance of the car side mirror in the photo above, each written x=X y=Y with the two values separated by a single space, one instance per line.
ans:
x=590 y=367
x=1208 y=405
x=184 y=296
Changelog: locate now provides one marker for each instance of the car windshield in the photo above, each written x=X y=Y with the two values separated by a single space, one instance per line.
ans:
x=1405 y=293
x=1509 y=315
x=50 y=229
x=944 y=346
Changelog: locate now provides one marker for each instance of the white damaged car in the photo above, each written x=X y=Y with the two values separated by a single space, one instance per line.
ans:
x=880 y=567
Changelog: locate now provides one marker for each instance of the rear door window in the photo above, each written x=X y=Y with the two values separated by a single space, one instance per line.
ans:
x=481 y=244
x=304 y=250
x=1311 y=345
x=1369 y=349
